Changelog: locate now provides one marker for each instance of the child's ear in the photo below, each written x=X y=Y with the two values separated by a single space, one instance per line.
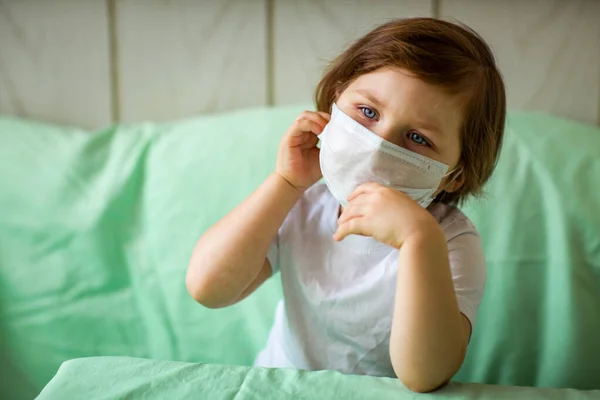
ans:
x=339 y=89
x=338 y=93
x=456 y=181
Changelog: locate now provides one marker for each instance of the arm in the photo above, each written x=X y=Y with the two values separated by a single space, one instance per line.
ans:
x=229 y=261
x=429 y=334
x=231 y=256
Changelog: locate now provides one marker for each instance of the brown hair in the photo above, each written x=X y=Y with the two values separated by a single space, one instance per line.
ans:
x=438 y=52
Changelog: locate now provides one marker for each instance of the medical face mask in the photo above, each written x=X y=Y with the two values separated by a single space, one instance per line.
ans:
x=352 y=155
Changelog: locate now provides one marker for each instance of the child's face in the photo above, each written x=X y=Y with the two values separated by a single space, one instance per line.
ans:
x=408 y=112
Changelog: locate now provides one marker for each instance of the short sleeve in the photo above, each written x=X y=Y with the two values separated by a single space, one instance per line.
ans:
x=311 y=203
x=273 y=254
x=467 y=262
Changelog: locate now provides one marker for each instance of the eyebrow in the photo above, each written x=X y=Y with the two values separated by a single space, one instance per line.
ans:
x=370 y=96
x=432 y=127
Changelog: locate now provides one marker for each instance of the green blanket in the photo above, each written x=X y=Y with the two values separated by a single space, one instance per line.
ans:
x=96 y=230
x=133 y=378
x=126 y=378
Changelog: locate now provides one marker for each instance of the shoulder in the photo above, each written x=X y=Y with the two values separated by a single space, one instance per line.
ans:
x=315 y=199
x=465 y=248
x=453 y=221
x=312 y=207
x=317 y=193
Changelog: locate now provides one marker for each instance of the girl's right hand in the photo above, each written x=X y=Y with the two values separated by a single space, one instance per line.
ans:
x=298 y=159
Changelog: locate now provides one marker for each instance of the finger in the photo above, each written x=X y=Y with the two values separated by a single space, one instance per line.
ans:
x=308 y=126
x=365 y=188
x=313 y=116
x=308 y=141
x=313 y=157
x=355 y=226
x=324 y=115
x=311 y=140
x=351 y=211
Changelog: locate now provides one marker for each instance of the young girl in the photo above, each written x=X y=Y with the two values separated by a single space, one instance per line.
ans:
x=382 y=274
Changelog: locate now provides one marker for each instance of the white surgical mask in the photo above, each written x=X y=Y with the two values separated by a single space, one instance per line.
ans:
x=352 y=155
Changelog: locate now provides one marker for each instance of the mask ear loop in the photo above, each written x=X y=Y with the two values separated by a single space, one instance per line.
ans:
x=443 y=191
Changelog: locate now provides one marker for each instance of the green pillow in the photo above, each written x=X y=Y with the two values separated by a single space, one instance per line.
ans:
x=95 y=235
x=539 y=322
x=96 y=231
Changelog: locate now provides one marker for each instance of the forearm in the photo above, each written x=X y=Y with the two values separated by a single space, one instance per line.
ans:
x=428 y=339
x=230 y=255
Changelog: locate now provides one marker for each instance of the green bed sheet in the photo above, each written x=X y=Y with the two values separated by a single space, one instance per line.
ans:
x=96 y=229
x=133 y=378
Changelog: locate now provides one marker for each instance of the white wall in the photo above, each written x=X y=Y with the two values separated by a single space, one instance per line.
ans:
x=94 y=62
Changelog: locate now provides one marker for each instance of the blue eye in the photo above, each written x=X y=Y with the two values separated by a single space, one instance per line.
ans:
x=417 y=138
x=368 y=112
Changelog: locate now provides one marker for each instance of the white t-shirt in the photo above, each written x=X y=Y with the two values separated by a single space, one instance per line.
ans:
x=338 y=297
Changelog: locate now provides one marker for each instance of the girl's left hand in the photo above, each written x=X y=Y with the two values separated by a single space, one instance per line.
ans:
x=385 y=214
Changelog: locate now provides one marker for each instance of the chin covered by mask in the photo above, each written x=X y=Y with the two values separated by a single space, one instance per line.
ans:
x=352 y=155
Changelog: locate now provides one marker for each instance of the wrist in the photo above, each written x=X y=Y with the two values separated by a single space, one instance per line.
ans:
x=428 y=237
x=288 y=186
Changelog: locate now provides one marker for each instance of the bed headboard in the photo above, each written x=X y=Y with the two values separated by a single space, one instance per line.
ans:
x=93 y=63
